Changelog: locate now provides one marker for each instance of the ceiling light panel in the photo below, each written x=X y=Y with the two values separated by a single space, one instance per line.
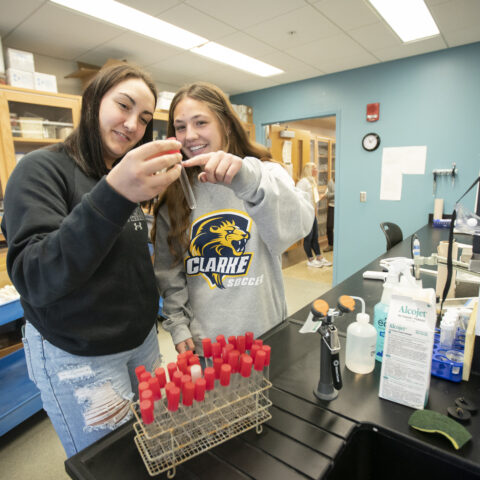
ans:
x=410 y=19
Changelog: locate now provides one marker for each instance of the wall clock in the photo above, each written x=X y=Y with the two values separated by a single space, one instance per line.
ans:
x=371 y=142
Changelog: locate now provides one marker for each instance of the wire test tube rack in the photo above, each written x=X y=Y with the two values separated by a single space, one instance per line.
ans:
x=177 y=435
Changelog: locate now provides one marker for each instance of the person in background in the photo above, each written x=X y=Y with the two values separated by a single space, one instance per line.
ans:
x=330 y=194
x=308 y=184
x=79 y=258
x=218 y=267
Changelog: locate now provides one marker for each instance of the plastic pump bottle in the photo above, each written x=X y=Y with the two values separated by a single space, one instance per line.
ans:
x=399 y=279
x=361 y=342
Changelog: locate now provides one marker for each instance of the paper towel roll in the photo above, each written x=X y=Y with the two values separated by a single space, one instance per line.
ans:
x=438 y=209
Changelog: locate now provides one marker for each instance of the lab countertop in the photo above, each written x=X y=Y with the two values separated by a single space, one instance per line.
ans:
x=305 y=436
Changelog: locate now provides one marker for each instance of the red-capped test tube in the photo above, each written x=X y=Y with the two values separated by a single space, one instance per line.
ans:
x=173 y=399
x=161 y=377
x=259 y=364
x=241 y=344
x=207 y=351
x=226 y=392
x=246 y=363
x=216 y=350
x=209 y=375
x=146 y=410
x=268 y=350
x=221 y=340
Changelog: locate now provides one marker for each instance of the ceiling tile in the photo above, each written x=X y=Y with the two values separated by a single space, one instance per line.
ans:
x=347 y=14
x=371 y=36
x=306 y=23
x=326 y=50
x=197 y=22
x=247 y=12
x=71 y=36
x=246 y=44
x=404 y=50
x=132 y=47
x=457 y=15
x=14 y=13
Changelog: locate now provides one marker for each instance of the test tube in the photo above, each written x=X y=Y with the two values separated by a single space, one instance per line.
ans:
x=232 y=339
x=145 y=376
x=268 y=350
x=226 y=390
x=207 y=350
x=246 y=363
x=177 y=378
x=258 y=366
x=209 y=375
x=187 y=189
x=146 y=410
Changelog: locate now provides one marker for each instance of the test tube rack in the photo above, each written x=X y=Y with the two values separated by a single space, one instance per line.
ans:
x=175 y=437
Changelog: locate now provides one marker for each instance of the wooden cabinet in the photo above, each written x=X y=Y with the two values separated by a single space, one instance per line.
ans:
x=30 y=119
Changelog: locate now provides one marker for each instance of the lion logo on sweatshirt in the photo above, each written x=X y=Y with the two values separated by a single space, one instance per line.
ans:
x=217 y=246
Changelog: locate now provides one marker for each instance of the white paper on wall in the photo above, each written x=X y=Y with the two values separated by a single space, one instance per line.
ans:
x=396 y=162
x=287 y=152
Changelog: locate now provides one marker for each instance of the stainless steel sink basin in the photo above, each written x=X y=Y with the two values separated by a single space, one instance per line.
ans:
x=371 y=453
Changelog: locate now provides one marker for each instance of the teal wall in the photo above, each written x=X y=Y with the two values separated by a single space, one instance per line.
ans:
x=431 y=99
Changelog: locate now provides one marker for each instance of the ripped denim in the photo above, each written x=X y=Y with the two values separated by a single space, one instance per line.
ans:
x=86 y=397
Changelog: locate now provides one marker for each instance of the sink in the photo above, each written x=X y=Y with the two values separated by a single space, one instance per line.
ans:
x=371 y=453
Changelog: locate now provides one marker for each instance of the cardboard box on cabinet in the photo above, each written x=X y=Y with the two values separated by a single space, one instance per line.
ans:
x=20 y=60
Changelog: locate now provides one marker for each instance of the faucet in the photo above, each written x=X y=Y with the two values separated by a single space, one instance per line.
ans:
x=330 y=376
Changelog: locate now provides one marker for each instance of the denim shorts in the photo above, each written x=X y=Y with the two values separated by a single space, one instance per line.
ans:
x=86 y=397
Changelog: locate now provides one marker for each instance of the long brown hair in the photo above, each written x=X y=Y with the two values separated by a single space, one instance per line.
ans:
x=84 y=144
x=236 y=142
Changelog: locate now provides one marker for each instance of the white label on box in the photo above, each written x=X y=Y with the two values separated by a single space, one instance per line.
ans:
x=407 y=351
x=19 y=78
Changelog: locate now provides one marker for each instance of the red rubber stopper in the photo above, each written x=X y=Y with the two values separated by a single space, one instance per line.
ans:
x=258 y=342
x=155 y=388
x=194 y=360
x=225 y=371
x=200 y=386
x=226 y=350
x=233 y=358
x=233 y=340
x=145 y=376
x=173 y=399
x=209 y=374
x=260 y=360
x=182 y=364
x=146 y=410
x=177 y=378
x=172 y=368
x=217 y=364
x=216 y=349
x=241 y=344
x=221 y=340
x=187 y=394
x=268 y=350
x=246 y=363
x=207 y=347
x=143 y=386
x=254 y=350
x=248 y=340
x=139 y=370
x=161 y=376
x=146 y=395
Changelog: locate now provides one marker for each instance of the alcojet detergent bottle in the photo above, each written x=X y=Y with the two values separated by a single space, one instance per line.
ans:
x=361 y=343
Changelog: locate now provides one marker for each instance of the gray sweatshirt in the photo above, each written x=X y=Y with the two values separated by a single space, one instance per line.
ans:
x=230 y=280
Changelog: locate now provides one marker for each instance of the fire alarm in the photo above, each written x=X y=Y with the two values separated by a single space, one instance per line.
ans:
x=373 y=112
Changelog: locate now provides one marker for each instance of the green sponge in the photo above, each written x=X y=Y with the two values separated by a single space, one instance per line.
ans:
x=434 y=422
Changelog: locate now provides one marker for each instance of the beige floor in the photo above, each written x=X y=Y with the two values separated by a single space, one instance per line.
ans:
x=32 y=450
